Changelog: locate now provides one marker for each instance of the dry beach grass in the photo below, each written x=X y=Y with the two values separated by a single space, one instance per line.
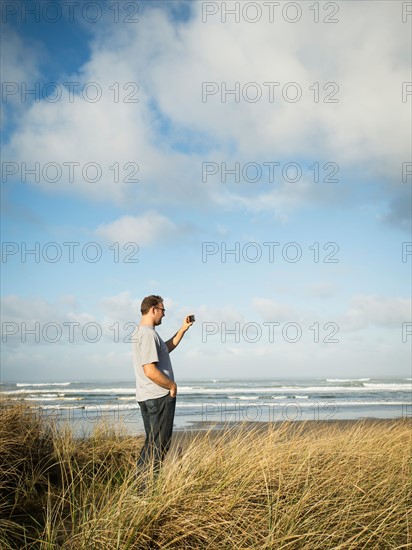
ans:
x=306 y=485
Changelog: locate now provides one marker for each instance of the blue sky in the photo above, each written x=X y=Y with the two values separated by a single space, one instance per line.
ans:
x=125 y=153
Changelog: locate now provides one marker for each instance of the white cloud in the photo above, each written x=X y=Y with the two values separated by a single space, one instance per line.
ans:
x=362 y=311
x=121 y=310
x=358 y=58
x=322 y=290
x=120 y=303
x=378 y=311
x=270 y=355
x=144 y=230
x=28 y=322
x=20 y=69
x=367 y=130
x=270 y=310
x=228 y=314
x=68 y=364
x=17 y=309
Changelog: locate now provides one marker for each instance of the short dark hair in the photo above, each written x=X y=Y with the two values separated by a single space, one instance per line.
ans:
x=149 y=302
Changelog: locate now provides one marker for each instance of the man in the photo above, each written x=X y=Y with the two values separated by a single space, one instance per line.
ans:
x=155 y=385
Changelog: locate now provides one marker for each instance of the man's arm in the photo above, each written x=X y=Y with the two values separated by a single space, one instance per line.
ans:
x=157 y=376
x=175 y=340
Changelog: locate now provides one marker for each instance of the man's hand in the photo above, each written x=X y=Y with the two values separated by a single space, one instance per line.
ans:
x=186 y=323
x=174 y=340
x=157 y=376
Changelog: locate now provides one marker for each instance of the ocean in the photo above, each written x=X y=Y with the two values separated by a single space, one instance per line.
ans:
x=218 y=401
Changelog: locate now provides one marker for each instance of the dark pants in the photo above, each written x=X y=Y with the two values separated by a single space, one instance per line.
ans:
x=158 y=415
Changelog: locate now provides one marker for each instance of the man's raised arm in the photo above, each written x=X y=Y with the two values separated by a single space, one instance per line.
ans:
x=175 y=340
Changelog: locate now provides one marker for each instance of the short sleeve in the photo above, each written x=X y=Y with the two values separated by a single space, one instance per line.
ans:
x=148 y=350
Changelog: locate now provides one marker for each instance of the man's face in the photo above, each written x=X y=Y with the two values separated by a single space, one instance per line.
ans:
x=159 y=313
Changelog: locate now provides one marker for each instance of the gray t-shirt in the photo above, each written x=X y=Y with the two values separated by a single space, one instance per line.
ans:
x=148 y=347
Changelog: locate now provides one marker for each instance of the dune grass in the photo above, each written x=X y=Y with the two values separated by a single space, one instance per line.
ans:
x=296 y=485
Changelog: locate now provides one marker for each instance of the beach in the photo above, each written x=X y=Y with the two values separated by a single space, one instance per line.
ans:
x=218 y=401
x=310 y=485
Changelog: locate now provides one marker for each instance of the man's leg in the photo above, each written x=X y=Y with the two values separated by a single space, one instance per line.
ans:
x=166 y=429
x=145 y=460
x=158 y=415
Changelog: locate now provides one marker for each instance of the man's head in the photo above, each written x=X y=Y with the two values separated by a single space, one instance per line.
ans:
x=152 y=309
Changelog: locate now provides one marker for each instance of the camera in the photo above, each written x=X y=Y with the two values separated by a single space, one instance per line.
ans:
x=191 y=318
